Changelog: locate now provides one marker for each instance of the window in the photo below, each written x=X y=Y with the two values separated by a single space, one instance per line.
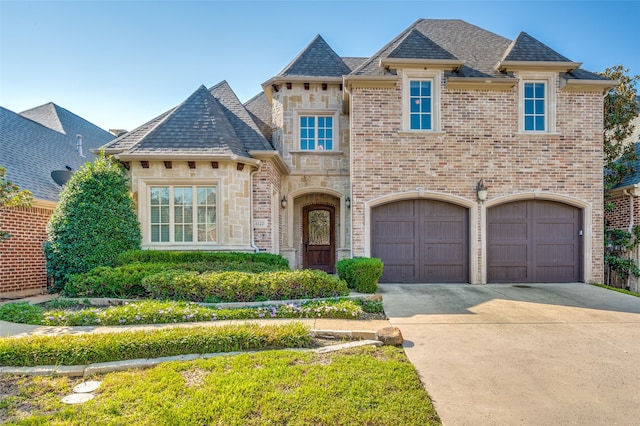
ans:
x=421 y=103
x=316 y=132
x=182 y=214
x=535 y=107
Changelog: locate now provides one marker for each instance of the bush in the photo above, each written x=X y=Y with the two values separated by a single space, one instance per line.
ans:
x=21 y=312
x=93 y=222
x=158 y=256
x=361 y=273
x=104 y=347
x=242 y=286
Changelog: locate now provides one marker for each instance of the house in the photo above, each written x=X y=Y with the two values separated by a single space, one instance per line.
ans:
x=33 y=144
x=453 y=154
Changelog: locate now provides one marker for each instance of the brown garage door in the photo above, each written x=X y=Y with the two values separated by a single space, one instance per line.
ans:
x=534 y=241
x=421 y=241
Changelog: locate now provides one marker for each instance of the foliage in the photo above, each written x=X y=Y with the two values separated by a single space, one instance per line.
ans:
x=126 y=281
x=620 y=246
x=620 y=108
x=242 y=286
x=160 y=256
x=372 y=386
x=93 y=222
x=104 y=347
x=22 y=312
x=361 y=273
x=619 y=290
x=11 y=196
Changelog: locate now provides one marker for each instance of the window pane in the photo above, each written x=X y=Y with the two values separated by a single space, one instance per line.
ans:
x=164 y=233
x=540 y=122
x=311 y=121
x=426 y=106
x=415 y=104
x=303 y=133
x=426 y=121
x=320 y=133
x=179 y=233
x=303 y=121
x=539 y=90
x=329 y=121
x=188 y=213
x=528 y=123
x=178 y=214
x=528 y=90
x=329 y=144
x=415 y=121
x=415 y=88
x=528 y=106
x=155 y=214
x=320 y=121
x=540 y=106
x=426 y=88
x=329 y=133
x=155 y=233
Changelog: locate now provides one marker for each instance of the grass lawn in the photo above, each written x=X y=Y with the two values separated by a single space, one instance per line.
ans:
x=361 y=386
x=619 y=290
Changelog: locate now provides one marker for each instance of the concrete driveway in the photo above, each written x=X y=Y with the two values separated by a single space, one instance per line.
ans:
x=539 y=354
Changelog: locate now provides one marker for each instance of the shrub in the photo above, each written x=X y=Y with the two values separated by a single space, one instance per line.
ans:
x=242 y=286
x=21 y=312
x=104 y=347
x=93 y=222
x=157 y=256
x=361 y=273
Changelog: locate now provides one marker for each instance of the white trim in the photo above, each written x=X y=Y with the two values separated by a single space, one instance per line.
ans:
x=436 y=87
x=472 y=206
x=587 y=224
x=549 y=79
x=317 y=113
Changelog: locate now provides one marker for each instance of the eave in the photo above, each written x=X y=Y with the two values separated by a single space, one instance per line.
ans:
x=481 y=83
x=275 y=157
x=267 y=86
x=185 y=157
x=436 y=64
x=632 y=189
x=503 y=66
x=577 y=85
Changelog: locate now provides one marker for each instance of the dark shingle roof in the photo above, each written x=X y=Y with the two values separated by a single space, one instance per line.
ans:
x=527 y=48
x=633 y=178
x=417 y=46
x=316 y=60
x=353 y=62
x=30 y=152
x=261 y=113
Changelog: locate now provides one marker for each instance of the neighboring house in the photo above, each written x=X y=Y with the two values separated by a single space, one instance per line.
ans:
x=385 y=156
x=624 y=196
x=33 y=144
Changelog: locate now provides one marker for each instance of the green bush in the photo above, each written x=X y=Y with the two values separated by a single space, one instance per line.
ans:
x=93 y=222
x=242 y=286
x=361 y=273
x=21 y=312
x=104 y=347
x=159 y=256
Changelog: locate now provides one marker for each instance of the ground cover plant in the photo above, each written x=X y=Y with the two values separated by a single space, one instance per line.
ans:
x=362 y=386
x=66 y=312
x=619 y=290
x=85 y=349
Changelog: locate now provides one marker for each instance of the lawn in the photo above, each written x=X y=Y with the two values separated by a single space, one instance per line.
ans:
x=360 y=386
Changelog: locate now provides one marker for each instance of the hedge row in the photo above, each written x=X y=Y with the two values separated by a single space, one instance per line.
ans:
x=126 y=281
x=104 y=347
x=242 y=286
x=160 y=256
x=361 y=273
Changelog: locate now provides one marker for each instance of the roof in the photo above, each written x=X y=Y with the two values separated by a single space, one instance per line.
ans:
x=210 y=122
x=527 y=48
x=633 y=178
x=260 y=112
x=316 y=60
x=417 y=46
x=30 y=151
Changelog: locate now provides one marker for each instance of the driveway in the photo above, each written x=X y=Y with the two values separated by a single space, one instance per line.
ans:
x=539 y=354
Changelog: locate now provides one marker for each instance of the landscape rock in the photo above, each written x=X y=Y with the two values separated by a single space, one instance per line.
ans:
x=390 y=336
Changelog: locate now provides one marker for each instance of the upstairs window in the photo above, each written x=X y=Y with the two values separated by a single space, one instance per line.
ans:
x=421 y=104
x=316 y=133
x=421 y=100
x=535 y=115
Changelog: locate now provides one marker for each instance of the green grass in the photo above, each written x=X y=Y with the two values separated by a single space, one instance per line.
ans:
x=363 y=386
x=104 y=347
x=619 y=290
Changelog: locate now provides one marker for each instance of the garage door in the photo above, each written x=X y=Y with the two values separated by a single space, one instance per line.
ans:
x=534 y=241
x=421 y=241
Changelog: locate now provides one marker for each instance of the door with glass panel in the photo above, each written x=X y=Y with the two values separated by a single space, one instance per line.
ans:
x=319 y=249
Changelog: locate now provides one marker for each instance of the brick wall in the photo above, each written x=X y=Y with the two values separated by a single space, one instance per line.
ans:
x=22 y=261
x=479 y=139
x=266 y=207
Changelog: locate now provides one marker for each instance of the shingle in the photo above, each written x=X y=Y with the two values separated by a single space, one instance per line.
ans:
x=527 y=48
x=417 y=46
x=316 y=60
x=353 y=62
x=261 y=113
x=634 y=177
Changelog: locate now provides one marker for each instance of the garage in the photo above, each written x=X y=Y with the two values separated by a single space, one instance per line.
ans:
x=421 y=241
x=534 y=241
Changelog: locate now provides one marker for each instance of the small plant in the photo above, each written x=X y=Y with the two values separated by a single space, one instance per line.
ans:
x=161 y=256
x=361 y=273
x=21 y=312
x=63 y=303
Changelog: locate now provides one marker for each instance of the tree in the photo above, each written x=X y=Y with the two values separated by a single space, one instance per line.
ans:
x=93 y=222
x=11 y=196
x=620 y=108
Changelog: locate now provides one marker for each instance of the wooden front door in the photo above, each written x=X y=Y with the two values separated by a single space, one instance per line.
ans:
x=318 y=234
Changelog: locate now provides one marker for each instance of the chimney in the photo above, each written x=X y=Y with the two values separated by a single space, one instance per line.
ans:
x=79 y=144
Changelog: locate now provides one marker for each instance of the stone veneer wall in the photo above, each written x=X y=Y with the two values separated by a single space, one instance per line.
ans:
x=22 y=261
x=479 y=139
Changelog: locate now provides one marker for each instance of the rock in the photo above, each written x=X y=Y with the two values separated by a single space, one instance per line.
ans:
x=87 y=387
x=375 y=298
x=390 y=336
x=77 y=398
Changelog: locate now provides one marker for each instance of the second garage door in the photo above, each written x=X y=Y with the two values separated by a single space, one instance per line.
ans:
x=534 y=241
x=421 y=241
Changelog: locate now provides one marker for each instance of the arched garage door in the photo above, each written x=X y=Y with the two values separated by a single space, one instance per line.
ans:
x=421 y=241
x=534 y=241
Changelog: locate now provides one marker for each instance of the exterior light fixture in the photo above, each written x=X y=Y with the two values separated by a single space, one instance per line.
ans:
x=347 y=202
x=283 y=202
x=481 y=190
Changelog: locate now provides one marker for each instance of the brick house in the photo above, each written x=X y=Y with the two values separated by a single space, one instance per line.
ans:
x=452 y=153
x=33 y=144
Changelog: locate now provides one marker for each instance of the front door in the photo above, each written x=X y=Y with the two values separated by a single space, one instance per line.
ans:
x=319 y=248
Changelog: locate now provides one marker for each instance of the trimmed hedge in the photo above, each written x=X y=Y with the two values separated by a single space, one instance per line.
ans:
x=361 y=273
x=159 y=256
x=242 y=286
x=126 y=281
x=104 y=347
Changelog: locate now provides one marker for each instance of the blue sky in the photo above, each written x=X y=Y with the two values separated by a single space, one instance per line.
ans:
x=118 y=64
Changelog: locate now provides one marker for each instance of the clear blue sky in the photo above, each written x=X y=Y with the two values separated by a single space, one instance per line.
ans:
x=120 y=63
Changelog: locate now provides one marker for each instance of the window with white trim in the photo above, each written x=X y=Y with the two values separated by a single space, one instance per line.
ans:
x=421 y=101
x=182 y=214
x=535 y=109
x=316 y=132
